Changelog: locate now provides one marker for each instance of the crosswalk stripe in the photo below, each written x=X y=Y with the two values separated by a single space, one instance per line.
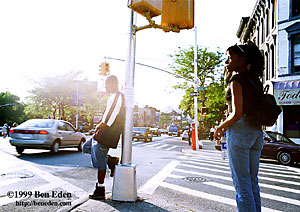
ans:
x=230 y=179
x=151 y=185
x=162 y=146
x=260 y=170
x=204 y=195
x=172 y=147
x=153 y=145
x=264 y=195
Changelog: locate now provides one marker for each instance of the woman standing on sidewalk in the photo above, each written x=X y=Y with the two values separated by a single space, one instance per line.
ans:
x=244 y=137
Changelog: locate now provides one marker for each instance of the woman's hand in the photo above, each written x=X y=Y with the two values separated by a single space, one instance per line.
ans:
x=219 y=133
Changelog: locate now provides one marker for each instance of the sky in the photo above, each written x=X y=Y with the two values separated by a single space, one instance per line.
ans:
x=50 y=37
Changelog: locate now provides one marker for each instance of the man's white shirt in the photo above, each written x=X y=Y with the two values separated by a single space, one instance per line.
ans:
x=115 y=112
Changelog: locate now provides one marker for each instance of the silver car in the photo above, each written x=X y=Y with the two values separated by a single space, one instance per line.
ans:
x=46 y=134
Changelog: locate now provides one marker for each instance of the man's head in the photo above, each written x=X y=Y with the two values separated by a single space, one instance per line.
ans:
x=112 y=84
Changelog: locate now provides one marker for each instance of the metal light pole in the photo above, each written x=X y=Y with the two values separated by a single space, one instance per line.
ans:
x=198 y=143
x=195 y=87
x=124 y=184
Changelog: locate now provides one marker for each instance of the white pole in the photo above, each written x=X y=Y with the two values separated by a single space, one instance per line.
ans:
x=124 y=184
x=195 y=88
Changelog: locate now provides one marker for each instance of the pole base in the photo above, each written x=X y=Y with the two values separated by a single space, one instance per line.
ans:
x=124 y=183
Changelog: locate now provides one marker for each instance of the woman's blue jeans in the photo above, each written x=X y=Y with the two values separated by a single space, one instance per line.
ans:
x=244 y=143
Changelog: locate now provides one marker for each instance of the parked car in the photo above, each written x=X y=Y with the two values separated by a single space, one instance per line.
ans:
x=163 y=131
x=174 y=130
x=280 y=148
x=155 y=132
x=142 y=133
x=0 y=131
x=46 y=134
x=185 y=135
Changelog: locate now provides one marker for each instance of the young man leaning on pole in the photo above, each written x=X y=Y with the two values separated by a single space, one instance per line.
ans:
x=114 y=112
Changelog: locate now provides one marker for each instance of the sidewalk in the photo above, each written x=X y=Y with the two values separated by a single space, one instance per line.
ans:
x=144 y=203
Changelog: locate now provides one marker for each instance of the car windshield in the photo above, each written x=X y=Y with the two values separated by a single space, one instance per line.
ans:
x=173 y=127
x=37 y=123
x=278 y=137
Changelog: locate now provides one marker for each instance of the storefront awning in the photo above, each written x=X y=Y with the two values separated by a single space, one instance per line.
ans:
x=287 y=92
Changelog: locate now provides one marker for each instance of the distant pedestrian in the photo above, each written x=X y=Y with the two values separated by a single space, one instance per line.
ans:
x=212 y=132
x=244 y=136
x=5 y=130
x=99 y=153
x=189 y=135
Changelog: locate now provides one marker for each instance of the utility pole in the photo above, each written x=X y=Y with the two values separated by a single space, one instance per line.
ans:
x=124 y=184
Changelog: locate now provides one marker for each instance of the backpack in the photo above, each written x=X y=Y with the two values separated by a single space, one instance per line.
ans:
x=268 y=110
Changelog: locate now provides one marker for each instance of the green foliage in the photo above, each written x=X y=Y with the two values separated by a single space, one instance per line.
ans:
x=53 y=96
x=8 y=114
x=209 y=78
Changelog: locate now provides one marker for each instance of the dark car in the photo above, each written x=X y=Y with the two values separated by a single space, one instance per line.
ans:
x=279 y=147
x=142 y=133
x=174 y=130
x=45 y=134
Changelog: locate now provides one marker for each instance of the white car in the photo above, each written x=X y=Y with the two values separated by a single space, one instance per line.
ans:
x=46 y=134
x=185 y=135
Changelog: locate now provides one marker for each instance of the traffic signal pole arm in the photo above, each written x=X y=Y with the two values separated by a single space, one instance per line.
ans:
x=152 y=24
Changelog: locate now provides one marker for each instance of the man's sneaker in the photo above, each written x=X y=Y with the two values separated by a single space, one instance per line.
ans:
x=112 y=162
x=99 y=193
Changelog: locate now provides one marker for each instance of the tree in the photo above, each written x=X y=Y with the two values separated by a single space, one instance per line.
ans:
x=11 y=110
x=55 y=97
x=209 y=79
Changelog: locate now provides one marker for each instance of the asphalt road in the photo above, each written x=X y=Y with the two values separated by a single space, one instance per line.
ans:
x=169 y=173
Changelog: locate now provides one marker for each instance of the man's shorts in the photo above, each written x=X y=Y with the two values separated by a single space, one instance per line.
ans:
x=98 y=153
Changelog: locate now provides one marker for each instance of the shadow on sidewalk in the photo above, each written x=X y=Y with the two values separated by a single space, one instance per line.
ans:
x=109 y=205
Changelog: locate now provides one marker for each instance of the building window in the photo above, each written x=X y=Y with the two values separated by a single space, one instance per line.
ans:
x=295 y=8
x=272 y=62
x=267 y=23
x=273 y=8
x=296 y=54
x=262 y=31
x=267 y=74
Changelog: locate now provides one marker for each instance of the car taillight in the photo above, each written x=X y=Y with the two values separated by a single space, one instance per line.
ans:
x=44 y=132
x=11 y=131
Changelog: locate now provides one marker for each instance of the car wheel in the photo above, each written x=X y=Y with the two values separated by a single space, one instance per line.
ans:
x=20 y=150
x=285 y=158
x=80 y=145
x=55 y=147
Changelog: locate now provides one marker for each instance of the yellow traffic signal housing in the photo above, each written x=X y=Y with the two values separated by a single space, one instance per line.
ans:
x=178 y=14
x=204 y=111
x=104 y=69
x=14 y=107
x=142 y=6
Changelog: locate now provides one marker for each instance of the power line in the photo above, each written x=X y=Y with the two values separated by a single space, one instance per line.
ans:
x=159 y=69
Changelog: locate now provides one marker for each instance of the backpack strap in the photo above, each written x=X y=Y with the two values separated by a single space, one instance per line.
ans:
x=112 y=107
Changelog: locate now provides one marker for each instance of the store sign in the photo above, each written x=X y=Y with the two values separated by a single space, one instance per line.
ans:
x=287 y=93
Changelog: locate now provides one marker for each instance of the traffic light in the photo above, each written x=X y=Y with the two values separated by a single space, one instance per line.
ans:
x=178 y=14
x=204 y=111
x=14 y=107
x=142 y=6
x=104 y=69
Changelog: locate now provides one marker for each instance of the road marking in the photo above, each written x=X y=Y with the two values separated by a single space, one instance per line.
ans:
x=172 y=147
x=152 y=145
x=164 y=145
x=267 y=172
x=261 y=168
x=208 y=196
x=151 y=185
x=230 y=179
x=264 y=195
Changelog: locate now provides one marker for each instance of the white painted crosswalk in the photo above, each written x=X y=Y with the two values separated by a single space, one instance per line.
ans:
x=279 y=184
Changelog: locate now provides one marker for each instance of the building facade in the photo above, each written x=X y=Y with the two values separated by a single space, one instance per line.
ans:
x=274 y=26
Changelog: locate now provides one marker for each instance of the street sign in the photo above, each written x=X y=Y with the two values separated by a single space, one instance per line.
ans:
x=194 y=94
